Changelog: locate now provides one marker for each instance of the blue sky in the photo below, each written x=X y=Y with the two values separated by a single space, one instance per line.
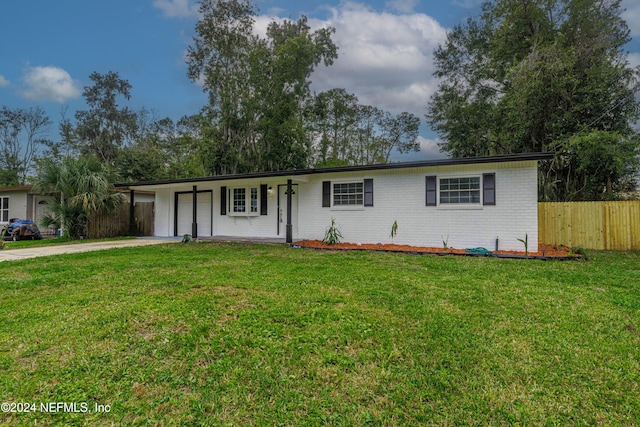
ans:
x=49 y=48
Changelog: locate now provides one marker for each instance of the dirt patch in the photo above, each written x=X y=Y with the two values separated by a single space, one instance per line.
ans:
x=544 y=251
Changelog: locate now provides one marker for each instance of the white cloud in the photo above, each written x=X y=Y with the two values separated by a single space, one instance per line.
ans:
x=404 y=6
x=177 y=8
x=634 y=59
x=632 y=16
x=430 y=148
x=49 y=84
x=385 y=59
x=3 y=82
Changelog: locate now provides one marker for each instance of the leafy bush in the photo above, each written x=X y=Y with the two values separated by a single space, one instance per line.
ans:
x=332 y=236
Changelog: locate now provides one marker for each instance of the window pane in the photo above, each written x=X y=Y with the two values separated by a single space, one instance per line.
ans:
x=254 y=200
x=345 y=194
x=460 y=190
x=239 y=196
x=5 y=203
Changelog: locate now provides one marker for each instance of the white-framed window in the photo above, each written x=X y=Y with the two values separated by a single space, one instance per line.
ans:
x=239 y=200
x=244 y=201
x=4 y=209
x=348 y=193
x=253 y=207
x=461 y=190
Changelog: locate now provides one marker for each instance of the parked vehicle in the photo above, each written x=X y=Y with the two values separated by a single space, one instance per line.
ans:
x=21 y=229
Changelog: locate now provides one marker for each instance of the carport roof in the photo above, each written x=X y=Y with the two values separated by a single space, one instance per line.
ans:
x=400 y=165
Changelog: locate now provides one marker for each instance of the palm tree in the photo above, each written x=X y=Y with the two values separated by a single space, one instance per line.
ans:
x=79 y=188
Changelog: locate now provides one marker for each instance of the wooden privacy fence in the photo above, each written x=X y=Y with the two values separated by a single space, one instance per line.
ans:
x=591 y=225
x=117 y=223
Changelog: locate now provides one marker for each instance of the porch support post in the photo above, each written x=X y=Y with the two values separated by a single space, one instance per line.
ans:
x=194 y=223
x=289 y=224
x=132 y=215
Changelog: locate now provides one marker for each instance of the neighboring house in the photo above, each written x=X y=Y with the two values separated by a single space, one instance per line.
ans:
x=470 y=202
x=21 y=202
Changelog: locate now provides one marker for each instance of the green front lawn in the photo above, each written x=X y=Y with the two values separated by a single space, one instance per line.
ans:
x=20 y=244
x=231 y=334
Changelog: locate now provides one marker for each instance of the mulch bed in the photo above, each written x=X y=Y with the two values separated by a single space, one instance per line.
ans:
x=544 y=251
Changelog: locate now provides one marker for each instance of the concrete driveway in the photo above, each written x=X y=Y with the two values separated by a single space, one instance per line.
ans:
x=18 y=254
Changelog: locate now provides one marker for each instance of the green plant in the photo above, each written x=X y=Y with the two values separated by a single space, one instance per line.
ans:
x=187 y=238
x=2 y=234
x=577 y=251
x=394 y=229
x=525 y=242
x=332 y=235
x=79 y=188
x=219 y=316
x=445 y=242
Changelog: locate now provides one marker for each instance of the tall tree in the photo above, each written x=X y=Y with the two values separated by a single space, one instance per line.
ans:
x=345 y=132
x=163 y=149
x=533 y=75
x=256 y=85
x=332 y=116
x=106 y=126
x=22 y=131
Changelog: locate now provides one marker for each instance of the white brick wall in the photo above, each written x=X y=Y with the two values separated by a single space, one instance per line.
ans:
x=399 y=195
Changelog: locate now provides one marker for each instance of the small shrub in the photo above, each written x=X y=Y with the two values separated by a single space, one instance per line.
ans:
x=578 y=251
x=445 y=242
x=394 y=229
x=525 y=242
x=187 y=238
x=332 y=236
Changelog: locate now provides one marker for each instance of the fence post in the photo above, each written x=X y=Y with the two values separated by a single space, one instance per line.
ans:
x=132 y=217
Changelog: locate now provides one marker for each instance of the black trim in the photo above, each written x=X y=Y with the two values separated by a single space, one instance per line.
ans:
x=326 y=194
x=431 y=191
x=194 y=206
x=263 y=199
x=368 y=192
x=223 y=200
x=402 y=165
x=278 y=208
x=489 y=189
x=289 y=235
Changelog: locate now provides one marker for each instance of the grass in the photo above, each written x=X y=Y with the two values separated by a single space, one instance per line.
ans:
x=21 y=244
x=230 y=334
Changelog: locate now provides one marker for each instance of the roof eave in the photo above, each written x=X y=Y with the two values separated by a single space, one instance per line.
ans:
x=402 y=165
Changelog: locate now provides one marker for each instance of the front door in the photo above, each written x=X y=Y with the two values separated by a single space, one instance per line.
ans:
x=42 y=209
x=282 y=210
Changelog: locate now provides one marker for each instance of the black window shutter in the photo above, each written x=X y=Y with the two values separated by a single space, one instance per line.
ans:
x=368 y=192
x=489 y=189
x=263 y=199
x=223 y=200
x=431 y=191
x=326 y=194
